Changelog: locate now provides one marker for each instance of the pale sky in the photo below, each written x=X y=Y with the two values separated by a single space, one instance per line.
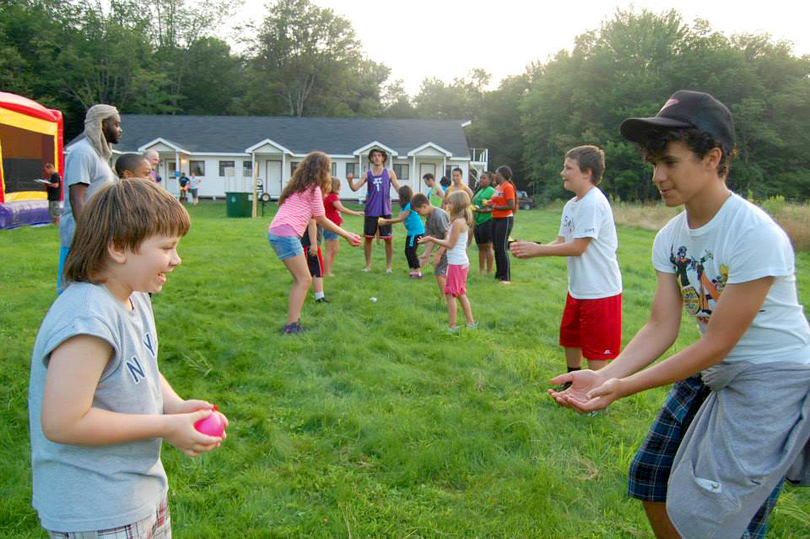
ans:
x=446 y=39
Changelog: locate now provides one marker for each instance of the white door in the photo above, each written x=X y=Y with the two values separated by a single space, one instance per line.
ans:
x=169 y=178
x=424 y=168
x=272 y=183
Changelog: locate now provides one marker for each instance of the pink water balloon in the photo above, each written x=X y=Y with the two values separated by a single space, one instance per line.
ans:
x=213 y=425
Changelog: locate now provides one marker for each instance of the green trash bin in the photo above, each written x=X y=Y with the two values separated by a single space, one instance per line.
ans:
x=238 y=205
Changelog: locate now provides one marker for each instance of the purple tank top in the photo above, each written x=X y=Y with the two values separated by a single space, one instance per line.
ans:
x=378 y=196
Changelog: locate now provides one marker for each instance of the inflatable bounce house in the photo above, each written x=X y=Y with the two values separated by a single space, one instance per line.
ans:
x=30 y=136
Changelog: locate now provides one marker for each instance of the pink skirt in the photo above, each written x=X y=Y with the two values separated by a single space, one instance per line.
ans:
x=456 y=284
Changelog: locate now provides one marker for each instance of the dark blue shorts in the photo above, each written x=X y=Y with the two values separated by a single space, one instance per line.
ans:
x=649 y=471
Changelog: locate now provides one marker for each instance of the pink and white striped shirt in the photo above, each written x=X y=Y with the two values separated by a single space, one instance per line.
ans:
x=294 y=215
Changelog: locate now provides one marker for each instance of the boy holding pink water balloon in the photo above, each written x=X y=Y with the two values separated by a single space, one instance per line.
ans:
x=99 y=408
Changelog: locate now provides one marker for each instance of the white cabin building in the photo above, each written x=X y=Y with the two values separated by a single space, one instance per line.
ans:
x=224 y=151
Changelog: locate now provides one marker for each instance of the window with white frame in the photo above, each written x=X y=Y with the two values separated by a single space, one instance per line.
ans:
x=402 y=171
x=351 y=168
x=334 y=168
x=226 y=168
x=247 y=169
x=197 y=168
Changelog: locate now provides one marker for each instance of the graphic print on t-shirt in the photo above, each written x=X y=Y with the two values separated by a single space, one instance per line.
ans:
x=700 y=292
x=136 y=370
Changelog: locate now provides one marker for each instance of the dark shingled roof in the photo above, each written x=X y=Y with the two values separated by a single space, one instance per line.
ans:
x=226 y=134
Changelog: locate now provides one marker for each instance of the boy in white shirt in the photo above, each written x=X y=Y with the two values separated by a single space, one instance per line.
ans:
x=736 y=420
x=591 y=324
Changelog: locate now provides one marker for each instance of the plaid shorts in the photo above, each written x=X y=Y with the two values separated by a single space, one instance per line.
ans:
x=156 y=526
x=649 y=471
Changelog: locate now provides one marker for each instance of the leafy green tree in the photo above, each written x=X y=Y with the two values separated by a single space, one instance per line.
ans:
x=307 y=60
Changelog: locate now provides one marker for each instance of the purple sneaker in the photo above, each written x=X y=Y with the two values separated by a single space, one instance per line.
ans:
x=295 y=327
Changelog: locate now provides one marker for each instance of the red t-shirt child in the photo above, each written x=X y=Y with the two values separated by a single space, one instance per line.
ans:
x=332 y=213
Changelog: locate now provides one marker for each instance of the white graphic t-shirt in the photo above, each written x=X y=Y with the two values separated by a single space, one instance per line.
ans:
x=740 y=244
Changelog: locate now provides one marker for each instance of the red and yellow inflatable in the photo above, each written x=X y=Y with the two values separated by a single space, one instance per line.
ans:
x=30 y=136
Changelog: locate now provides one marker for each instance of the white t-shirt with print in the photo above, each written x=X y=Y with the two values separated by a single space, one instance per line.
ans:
x=740 y=244
x=595 y=273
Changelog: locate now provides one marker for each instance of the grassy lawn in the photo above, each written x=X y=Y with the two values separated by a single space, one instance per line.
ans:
x=375 y=422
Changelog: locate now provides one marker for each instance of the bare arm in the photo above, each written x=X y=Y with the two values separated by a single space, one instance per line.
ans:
x=312 y=232
x=344 y=209
x=394 y=180
x=456 y=230
x=510 y=205
x=731 y=318
x=528 y=249
x=398 y=219
x=324 y=221
x=68 y=415
x=352 y=185
x=77 y=193
x=651 y=341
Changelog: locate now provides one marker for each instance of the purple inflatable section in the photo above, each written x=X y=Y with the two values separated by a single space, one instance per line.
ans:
x=24 y=212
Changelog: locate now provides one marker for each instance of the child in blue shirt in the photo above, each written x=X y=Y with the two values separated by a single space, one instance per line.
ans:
x=413 y=226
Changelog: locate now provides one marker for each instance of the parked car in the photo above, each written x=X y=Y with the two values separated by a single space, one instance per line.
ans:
x=525 y=202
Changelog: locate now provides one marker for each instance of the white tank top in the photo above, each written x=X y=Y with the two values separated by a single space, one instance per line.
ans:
x=457 y=255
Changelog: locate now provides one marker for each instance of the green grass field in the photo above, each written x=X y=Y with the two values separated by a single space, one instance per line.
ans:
x=375 y=422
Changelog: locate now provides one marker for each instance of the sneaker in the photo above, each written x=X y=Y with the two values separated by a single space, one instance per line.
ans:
x=389 y=271
x=453 y=330
x=472 y=326
x=322 y=300
x=290 y=329
x=417 y=275
x=366 y=270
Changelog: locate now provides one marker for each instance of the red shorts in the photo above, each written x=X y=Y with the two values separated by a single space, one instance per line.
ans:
x=594 y=325
x=456 y=284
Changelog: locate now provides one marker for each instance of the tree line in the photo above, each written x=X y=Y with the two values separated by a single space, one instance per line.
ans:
x=168 y=57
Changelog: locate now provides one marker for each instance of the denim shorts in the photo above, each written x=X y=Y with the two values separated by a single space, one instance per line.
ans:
x=285 y=246
x=328 y=235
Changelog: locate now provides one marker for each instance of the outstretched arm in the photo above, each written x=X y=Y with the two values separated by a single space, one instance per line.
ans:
x=731 y=318
x=344 y=209
x=651 y=341
x=528 y=249
x=353 y=239
x=398 y=219
x=456 y=229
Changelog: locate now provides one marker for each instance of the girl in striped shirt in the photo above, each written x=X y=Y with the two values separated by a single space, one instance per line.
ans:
x=300 y=201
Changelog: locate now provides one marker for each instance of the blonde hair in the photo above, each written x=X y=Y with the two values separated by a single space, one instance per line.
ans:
x=335 y=185
x=315 y=170
x=123 y=214
x=458 y=202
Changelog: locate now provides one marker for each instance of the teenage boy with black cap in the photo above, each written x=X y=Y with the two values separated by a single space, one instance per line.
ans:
x=378 y=204
x=736 y=420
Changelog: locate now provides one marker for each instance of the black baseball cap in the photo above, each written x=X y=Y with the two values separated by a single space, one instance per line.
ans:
x=685 y=109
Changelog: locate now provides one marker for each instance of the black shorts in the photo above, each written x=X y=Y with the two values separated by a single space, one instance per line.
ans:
x=483 y=232
x=315 y=263
x=371 y=225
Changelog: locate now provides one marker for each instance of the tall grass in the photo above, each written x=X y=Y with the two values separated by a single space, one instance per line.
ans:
x=375 y=422
x=794 y=218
